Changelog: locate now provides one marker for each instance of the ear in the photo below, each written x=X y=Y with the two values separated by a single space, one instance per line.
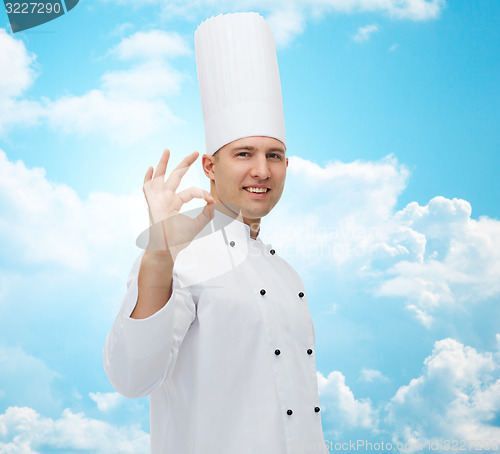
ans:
x=286 y=160
x=208 y=162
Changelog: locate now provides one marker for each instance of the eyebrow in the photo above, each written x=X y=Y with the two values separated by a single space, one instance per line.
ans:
x=250 y=148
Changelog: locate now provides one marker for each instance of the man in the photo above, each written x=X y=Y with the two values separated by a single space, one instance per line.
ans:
x=215 y=326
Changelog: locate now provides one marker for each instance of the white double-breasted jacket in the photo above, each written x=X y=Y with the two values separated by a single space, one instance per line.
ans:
x=229 y=361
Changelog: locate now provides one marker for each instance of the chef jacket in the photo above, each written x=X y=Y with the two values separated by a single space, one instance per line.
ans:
x=228 y=362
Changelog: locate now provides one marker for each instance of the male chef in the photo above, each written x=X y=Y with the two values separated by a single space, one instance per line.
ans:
x=215 y=325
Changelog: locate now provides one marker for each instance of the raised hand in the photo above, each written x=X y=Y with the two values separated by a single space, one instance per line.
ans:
x=171 y=230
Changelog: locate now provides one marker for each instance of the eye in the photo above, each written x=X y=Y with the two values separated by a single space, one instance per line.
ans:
x=275 y=156
x=243 y=153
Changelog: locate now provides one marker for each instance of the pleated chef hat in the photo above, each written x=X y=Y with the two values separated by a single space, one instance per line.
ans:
x=239 y=79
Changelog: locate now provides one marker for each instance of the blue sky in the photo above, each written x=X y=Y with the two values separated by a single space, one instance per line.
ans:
x=390 y=211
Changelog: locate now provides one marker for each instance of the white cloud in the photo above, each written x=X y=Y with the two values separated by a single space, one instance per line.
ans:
x=398 y=9
x=17 y=76
x=123 y=120
x=456 y=259
x=18 y=73
x=288 y=19
x=394 y=47
x=122 y=29
x=336 y=230
x=106 y=401
x=127 y=107
x=23 y=430
x=147 y=81
x=457 y=397
x=152 y=45
x=364 y=33
x=417 y=9
x=44 y=222
x=27 y=379
x=371 y=375
x=342 y=410
x=342 y=218
x=286 y=23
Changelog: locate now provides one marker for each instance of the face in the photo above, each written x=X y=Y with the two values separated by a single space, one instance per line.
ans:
x=248 y=173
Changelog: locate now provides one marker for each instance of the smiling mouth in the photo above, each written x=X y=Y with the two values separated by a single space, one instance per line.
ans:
x=256 y=190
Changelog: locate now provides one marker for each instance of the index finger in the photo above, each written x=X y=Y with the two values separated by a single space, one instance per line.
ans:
x=175 y=177
x=162 y=165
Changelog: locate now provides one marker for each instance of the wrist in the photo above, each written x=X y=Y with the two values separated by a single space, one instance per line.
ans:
x=163 y=256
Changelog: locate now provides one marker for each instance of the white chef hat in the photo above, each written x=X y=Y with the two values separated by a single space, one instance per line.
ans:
x=239 y=79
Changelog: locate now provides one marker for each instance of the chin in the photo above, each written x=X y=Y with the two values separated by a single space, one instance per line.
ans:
x=255 y=214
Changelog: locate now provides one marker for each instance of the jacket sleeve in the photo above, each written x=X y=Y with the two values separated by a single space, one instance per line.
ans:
x=140 y=354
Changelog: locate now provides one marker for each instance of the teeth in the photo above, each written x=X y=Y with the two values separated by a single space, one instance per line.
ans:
x=256 y=189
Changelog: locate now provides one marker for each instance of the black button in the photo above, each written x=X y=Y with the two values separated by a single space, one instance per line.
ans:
x=316 y=409
x=301 y=294
x=289 y=412
x=277 y=351
x=272 y=251
x=231 y=244
x=309 y=351
x=262 y=292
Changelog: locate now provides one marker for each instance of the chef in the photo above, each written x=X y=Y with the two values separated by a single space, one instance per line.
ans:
x=215 y=325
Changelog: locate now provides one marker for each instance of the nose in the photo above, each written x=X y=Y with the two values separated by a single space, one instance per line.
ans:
x=260 y=168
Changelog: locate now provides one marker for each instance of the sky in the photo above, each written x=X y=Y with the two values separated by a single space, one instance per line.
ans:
x=390 y=211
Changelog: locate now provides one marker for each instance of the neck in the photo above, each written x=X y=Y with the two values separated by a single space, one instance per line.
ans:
x=254 y=225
